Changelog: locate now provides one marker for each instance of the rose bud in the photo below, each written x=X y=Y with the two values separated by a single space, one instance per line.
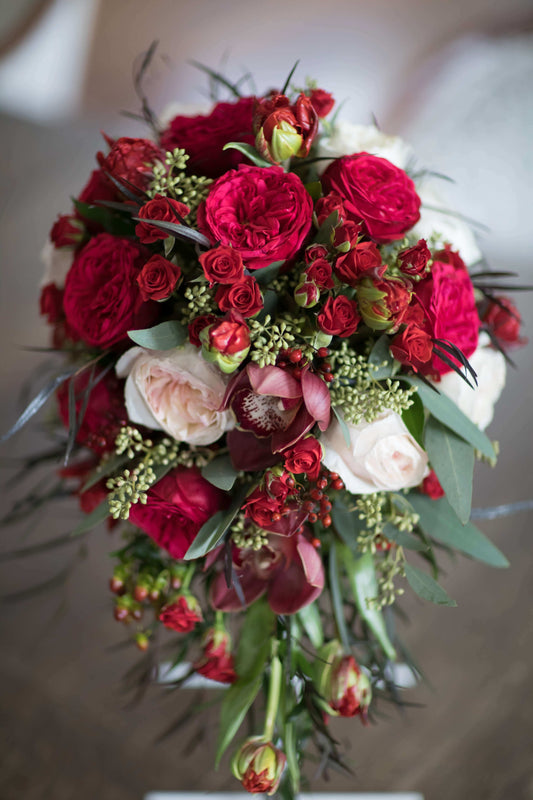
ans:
x=414 y=260
x=325 y=206
x=315 y=251
x=320 y=273
x=359 y=260
x=346 y=235
x=431 y=486
x=158 y=278
x=321 y=101
x=182 y=613
x=284 y=130
x=160 y=209
x=383 y=303
x=217 y=661
x=350 y=690
x=412 y=347
x=258 y=765
x=503 y=320
x=67 y=231
x=226 y=342
x=306 y=294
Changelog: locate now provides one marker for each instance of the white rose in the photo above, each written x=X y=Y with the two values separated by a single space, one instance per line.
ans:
x=383 y=456
x=347 y=138
x=57 y=262
x=175 y=391
x=449 y=228
x=478 y=404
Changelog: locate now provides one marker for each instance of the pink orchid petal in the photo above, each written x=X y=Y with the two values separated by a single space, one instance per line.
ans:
x=316 y=398
x=290 y=589
x=302 y=424
x=274 y=381
x=223 y=598
x=311 y=563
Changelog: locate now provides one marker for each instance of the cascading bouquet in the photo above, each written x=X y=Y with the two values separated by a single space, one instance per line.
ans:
x=273 y=343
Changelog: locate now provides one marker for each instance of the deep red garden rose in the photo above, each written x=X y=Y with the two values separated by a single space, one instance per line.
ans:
x=222 y=265
x=352 y=265
x=304 y=458
x=503 y=321
x=177 y=507
x=413 y=347
x=162 y=209
x=346 y=235
x=105 y=412
x=322 y=102
x=375 y=191
x=67 y=231
x=51 y=303
x=102 y=299
x=243 y=296
x=182 y=614
x=130 y=161
x=262 y=212
x=325 y=206
x=339 y=316
x=204 y=136
x=158 y=278
x=431 y=486
x=447 y=297
x=413 y=261
x=98 y=188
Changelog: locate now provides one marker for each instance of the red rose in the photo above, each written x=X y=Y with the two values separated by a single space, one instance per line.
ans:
x=229 y=335
x=273 y=512
x=304 y=458
x=98 y=188
x=346 y=235
x=217 y=662
x=51 y=303
x=412 y=347
x=284 y=129
x=503 y=320
x=262 y=212
x=162 y=209
x=204 y=136
x=325 y=206
x=339 y=317
x=449 y=256
x=322 y=102
x=130 y=161
x=197 y=325
x=158 y=278
x=447 y=297
x=181 y=614
x=67 y=231
x=384 y=303
x=353 y=264
x=244 y=296
x=102 y=300
x=431 y=486
x=414 y=260
x=105 y=412
x=375 y=191
x=320 y=273
x=222 y=265
x=315 y=251
x=177 y=507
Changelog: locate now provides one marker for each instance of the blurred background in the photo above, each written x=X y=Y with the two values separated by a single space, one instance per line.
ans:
x=456 y=79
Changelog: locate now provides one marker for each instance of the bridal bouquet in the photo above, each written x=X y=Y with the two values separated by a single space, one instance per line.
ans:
x=279 y=365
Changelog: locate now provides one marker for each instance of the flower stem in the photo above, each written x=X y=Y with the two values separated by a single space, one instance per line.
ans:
x=187 y=578
x=274 y=690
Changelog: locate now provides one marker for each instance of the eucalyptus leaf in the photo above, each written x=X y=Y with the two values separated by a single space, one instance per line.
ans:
x=439 y=521
x=403 y=538
x=309 y=617
x=220 y=472
x=453 y=461
x=164 y=336
x=346 y=522
x=336 y=596
x=426 y=588
x=343 y=426
x=447 y=412
x=212 y=531
x=381 y=359
x=250 y=152
x=268 y=274
x=415 y=418
x=100 y=514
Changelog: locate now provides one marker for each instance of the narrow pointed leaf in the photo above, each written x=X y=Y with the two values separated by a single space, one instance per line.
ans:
x=93 y=519
x=180 y=231
x=453 y=461
x=426 y=588
x=250 y=152
x=38 y=402
x=220 y=472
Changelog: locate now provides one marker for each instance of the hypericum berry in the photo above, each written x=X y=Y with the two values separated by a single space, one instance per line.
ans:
x=121 y=614
x=337 y=484
x=326 y=521
x=328 y=377
x=316 y=494
x=276 y=516
x=297 y=372
x=116 y=585
x=325 y=505
x=154 y=595
x=295 y=356
x=325 y=367
x=137 y=613
x=141 y=640
x=290 y=482
x=322 y=352
x=316 y=543
x=140 y=593
x=308 y=505
x=321 y=483
x=313 y=517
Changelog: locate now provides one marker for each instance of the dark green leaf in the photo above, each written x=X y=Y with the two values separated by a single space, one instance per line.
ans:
x=309 y=617
x=426 y=587
x=445 y=410
x=289 y=77
x=216 y=76
x=93 y=519
x=220 y=472
x=212 y=532
x=323 y=235
x=346 y=522
x=237 y=701
x=268 y=274
x=403 y=538
x=164 y=336
x=453 y=461
x=314 y=190
x=414 y=419
x=250 y=152
x=116 y=224
x=382 y=360
x=439 y=521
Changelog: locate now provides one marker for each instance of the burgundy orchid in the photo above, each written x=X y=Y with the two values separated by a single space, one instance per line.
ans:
x=288 y=569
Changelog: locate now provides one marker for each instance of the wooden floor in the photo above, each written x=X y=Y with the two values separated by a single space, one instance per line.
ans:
x=66 y=732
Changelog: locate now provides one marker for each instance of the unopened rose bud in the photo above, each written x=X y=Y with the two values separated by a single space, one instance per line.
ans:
x=217 y=662
x=258 y=765
x=67 y=231
x=226 y=342
x=342 y=684
x=283 y=129
x=307 y=294
x=181 y=613
x=383 y=302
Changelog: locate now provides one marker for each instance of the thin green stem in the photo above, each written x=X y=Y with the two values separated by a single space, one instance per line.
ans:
x=274 y=691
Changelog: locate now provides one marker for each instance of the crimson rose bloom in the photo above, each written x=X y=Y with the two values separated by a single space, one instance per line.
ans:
x=105 y=412
x=413 y=347
x=353 y=264
x=98 y=187
x=177 y=507
x=222 y=265
x=130 y=161
x=102 y=300
x=325 y=206
x=158 y=278
x=204 y=136
x=304 y=458
x=319 y=273
x=229 y=335
x=262 y=212
x=375 y=191
x=243 y=296
x=414 y=260
x=346 y=235
x=162 y=209
x=339 y=317
x=67 y=231
x=503 y=320
x=182 y=614
x=447 y=297
x=315 y=251
x=321 y=101
x=217 y=661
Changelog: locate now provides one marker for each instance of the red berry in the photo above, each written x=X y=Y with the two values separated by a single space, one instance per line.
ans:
x=116 y=585
x=297 y=372
x=276 y=517
x=326 y=367
x=309 y=505
x=313 y=517
x=333 y=475
x=326 y=521
x=316 y=542
x=325 y=505
x=137 y=613
x=154 y=595
x=140 y=593
x=290 y=483
x=322 y=352
x=328 y=377
x=316 y=494
x=337 y=484
x=322 y=483
x=121 y=614
x=295 y=356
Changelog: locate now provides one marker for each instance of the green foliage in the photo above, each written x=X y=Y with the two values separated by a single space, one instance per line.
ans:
x=220 y=472
x=250 y=152
x=426 y=588
x=453 y=461
x=165 y=336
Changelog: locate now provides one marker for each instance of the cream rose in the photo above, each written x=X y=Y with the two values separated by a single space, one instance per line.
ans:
x=478 y=404
x=57 y=262
x=383 y=456
x=449 y=228
x=346 y=138
x=175 y=391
